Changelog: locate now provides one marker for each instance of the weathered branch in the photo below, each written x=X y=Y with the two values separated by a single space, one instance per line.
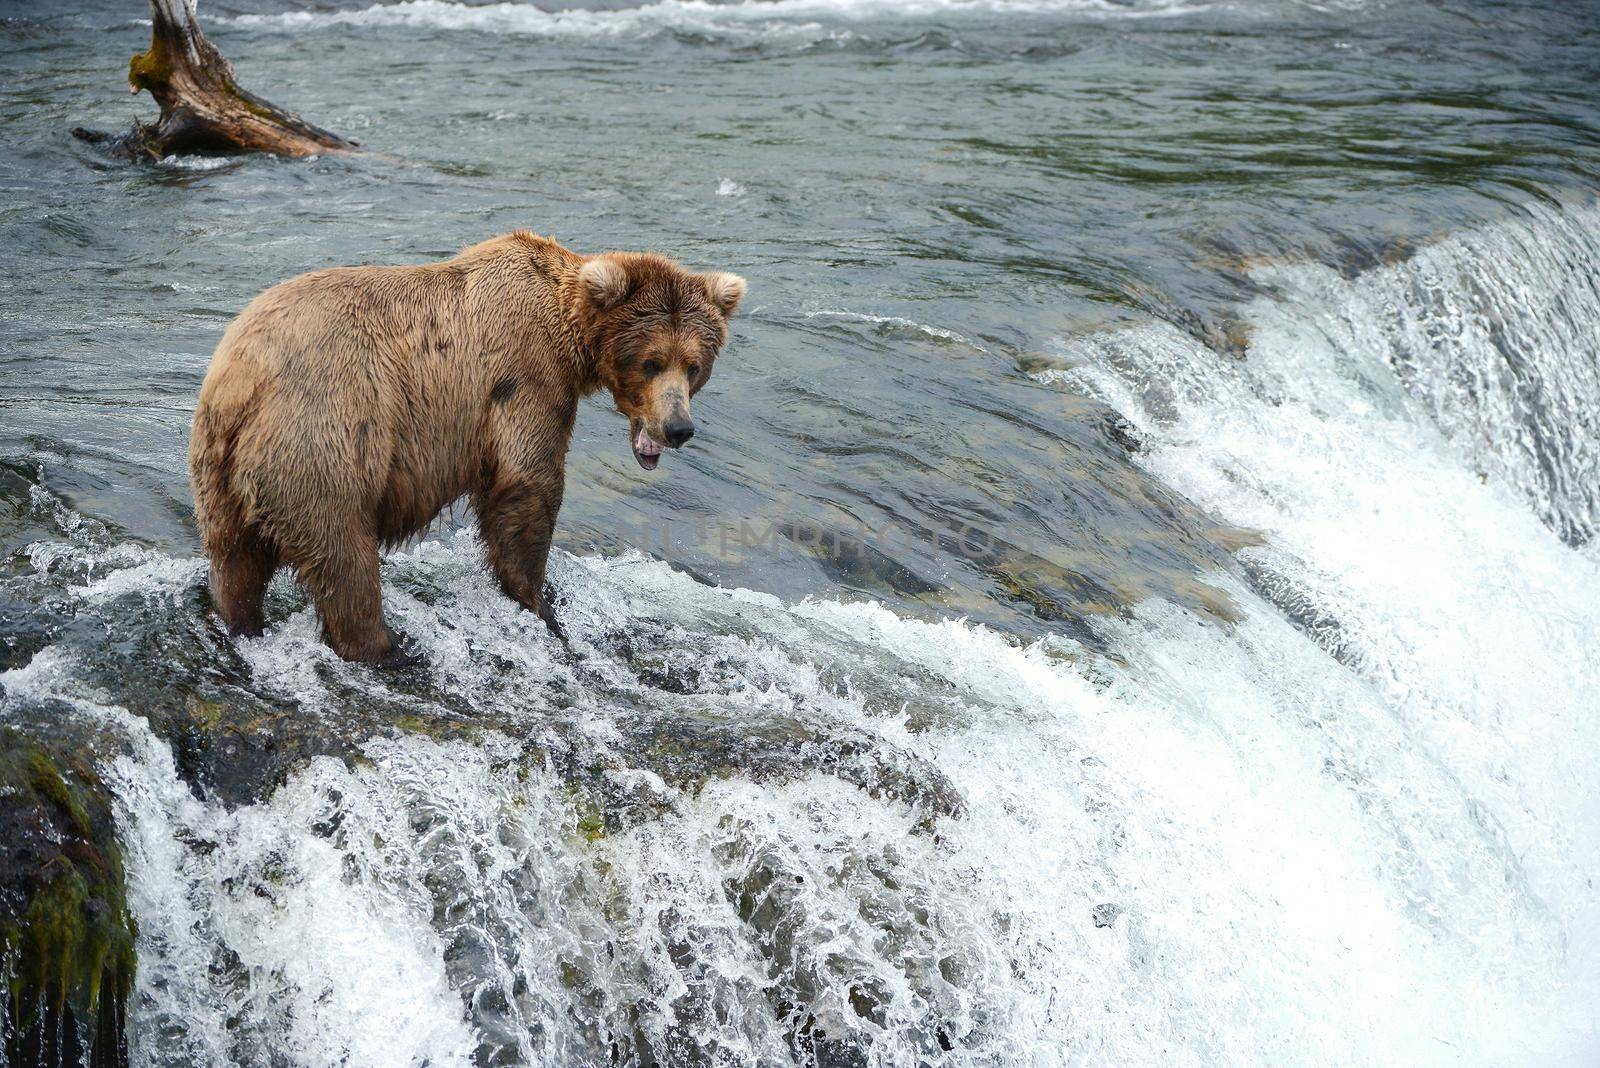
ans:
x=203 y=110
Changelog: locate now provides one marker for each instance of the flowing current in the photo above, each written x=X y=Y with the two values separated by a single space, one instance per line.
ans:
x=1167 y=645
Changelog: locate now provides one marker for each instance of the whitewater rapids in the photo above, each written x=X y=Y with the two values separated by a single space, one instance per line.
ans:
x=1358 y=826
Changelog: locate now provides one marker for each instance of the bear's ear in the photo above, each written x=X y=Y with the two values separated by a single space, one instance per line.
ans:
x=606 y=281
x=725 y=290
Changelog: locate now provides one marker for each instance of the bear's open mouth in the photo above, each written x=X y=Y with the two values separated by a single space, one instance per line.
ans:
x=645 y=448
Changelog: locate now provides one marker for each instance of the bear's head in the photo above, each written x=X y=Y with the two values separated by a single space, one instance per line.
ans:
x=656 y=330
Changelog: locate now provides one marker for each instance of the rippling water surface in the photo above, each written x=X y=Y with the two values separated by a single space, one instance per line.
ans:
x=1132 y=597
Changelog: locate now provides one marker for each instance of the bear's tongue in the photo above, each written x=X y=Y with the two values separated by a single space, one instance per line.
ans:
x=645 y=450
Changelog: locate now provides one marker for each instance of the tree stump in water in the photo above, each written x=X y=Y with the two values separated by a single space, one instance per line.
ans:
x=203 y=111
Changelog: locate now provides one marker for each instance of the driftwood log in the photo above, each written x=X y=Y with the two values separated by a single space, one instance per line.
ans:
x=203 y=110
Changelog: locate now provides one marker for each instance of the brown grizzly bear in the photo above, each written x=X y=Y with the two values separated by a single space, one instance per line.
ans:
x=345 y=408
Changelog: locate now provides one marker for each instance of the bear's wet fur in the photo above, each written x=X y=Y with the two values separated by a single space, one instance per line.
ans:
x=345 y=408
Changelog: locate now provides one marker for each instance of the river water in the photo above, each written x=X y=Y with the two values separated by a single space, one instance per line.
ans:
x=1132 y=597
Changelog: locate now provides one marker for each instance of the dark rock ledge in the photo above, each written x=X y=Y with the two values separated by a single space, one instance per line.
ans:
x=66 y=937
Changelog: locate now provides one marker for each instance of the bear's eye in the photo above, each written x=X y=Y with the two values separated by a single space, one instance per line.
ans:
x=652 y=368
x=694 y=370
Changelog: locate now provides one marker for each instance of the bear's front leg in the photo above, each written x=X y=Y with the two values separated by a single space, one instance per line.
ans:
x=518 y=520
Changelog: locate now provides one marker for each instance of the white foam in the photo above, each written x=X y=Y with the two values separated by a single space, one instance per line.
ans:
x=1296 y=877
x=893 y=321
x=137 y=571
x=199 y=163
x=336 y=974
x=765 y=18
x=344 y=966
x=1434 y=580
x=1487 y=331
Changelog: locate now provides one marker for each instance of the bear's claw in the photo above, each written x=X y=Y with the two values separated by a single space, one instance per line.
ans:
x=547 y=612
x=403 y=652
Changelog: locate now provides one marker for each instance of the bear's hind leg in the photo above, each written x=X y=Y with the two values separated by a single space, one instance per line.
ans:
x=239 y=578
x=344 y=583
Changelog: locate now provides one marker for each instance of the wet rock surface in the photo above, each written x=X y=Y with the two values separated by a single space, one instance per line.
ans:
x=66 y=936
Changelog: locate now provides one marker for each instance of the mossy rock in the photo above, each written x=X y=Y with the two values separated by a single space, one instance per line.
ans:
x=66 y=936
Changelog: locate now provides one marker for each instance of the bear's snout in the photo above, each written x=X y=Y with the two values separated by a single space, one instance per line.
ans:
x=678 y=429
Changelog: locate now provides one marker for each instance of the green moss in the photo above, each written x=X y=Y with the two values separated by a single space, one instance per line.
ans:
x=71 y=941
x=588 y=815
x=253 y=104
x=423 y=725
x=46 y=780
x=146 y=70
x=591 y=821
x=69 y=945
x=206 y=714
x=438 y=728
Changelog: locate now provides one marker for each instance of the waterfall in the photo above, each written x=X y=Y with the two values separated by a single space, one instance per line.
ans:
x=1357 y=826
